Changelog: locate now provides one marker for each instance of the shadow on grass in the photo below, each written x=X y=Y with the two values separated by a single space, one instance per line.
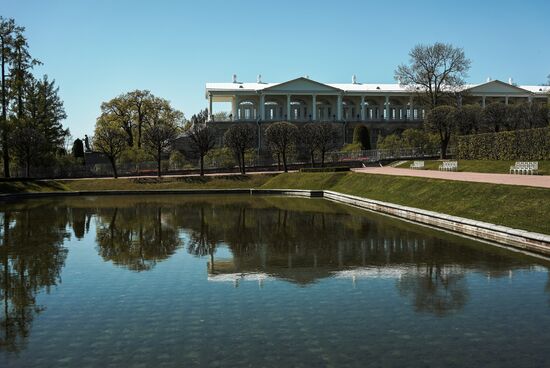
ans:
x=29 y=185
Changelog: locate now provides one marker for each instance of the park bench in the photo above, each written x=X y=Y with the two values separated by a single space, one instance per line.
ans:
x=449 y=166
x=417 y=165
x=525 y=168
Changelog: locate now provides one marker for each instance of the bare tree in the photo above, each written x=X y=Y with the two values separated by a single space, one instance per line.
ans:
x=325 y=139
x=110 y=139
x=281 y=137
x=308 y=139
x=434 y=71
x=442 y=120
x=239 y=138
x=203 y=137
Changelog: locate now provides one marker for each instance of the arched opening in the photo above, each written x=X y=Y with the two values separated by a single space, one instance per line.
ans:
x=349 y=110
x=324 y=110
x=273 y=110
x=372 y=110
x=247 y=110
x=298 y=110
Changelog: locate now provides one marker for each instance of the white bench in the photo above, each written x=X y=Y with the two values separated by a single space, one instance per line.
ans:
x=525 y=168
x=417 y=165
x=449 y=166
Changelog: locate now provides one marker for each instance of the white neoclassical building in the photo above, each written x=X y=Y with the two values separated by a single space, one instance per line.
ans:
x=382 y=107
x=303 y=99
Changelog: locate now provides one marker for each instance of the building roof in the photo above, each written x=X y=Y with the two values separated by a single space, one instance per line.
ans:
x=359 y=87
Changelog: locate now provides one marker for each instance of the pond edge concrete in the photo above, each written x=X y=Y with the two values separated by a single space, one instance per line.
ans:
x=515 y=238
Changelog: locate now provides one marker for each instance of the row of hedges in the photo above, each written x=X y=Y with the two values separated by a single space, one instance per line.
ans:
x=531 y=144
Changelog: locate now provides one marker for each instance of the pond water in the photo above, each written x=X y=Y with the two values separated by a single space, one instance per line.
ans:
x=231 y=281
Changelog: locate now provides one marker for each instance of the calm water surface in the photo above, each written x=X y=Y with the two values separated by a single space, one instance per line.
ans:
x=231 y=281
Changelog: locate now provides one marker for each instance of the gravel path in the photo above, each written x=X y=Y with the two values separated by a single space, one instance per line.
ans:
x=542 y=181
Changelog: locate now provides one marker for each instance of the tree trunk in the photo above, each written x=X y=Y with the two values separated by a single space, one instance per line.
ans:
x=278 y=161
x=244 y=165
x=202 y=164
x=284 y=161
x=444 y=144
x=4 y=125
x=27 y=167
x=323 y=158
x=113 y=164
x=139 y=135
x=158 y=162
x=312 y=153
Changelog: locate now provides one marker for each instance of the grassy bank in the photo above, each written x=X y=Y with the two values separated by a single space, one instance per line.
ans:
x=189 y=182
x=482 y=166
x=514 y=206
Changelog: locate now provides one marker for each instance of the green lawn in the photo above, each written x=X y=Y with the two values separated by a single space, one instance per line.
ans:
x=483 y=166
x=514 y=206
x=189 y=182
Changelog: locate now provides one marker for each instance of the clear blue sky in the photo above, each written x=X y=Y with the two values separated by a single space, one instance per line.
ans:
x=97 y=49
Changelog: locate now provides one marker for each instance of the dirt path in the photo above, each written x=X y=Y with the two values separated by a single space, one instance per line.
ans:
x=542 y=181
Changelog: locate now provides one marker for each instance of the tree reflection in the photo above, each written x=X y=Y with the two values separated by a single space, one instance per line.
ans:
x=136 y=237
x=32 y=257
x=435 y=289
x=202 y=241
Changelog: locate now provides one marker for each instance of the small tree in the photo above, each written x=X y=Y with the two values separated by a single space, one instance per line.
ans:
x=28 y=145
x=158 y=140
x=239 y=138
x=325 y=139
x=281 y=137
x=111 y=140
x=495 y=116
x=308 y=139
x=442 y=120
x=78 y=148
x=163 y=129
x=203 y=138
x=469 y=119
x=361 y=136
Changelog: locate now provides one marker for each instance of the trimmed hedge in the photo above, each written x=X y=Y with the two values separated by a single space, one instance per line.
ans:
x=530 y=144
x=324 y=169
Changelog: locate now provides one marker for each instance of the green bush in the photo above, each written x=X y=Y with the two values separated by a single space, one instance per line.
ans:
x=529 y=144
x=352 y=147
x=325 y=169
x=220 y=158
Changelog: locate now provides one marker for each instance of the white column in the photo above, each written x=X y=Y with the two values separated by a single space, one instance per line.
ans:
x=483 y=101
x=210 y=113
x=362 y=107
x=506 y=100
x=262 y=107
x=234 y=107
x=339 y=108
x=288 y=107
x=411 y=109
x=530 y=99
x=387 y=107
x=314 y=107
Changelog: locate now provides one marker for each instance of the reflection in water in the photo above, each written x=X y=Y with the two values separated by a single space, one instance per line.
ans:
x=135 y=237
x=300 y=241
x=31 y=260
